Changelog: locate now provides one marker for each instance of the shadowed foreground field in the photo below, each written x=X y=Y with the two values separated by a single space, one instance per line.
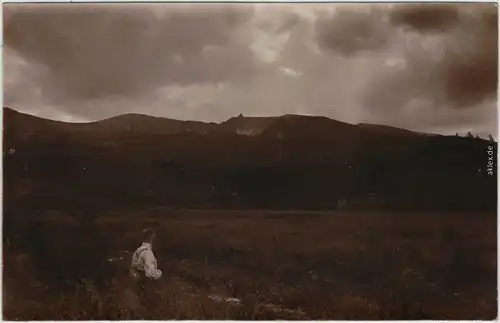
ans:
x=278 y=265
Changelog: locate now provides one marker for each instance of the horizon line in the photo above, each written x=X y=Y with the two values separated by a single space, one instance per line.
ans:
x=234 y=117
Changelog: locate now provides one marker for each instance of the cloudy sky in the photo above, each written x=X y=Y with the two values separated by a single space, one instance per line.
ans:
x=425 y=67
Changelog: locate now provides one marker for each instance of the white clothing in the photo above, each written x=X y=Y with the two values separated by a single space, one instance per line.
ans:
x=144 y=260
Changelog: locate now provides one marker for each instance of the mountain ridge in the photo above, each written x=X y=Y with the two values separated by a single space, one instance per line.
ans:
x=240 y=125
x=293 y=162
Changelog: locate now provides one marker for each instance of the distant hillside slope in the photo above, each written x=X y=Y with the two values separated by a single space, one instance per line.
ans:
x=278 y=162
x=148 y=124
x=392 y=130
x=122 y=123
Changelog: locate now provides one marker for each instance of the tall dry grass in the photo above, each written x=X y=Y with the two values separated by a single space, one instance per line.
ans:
x=344 y=266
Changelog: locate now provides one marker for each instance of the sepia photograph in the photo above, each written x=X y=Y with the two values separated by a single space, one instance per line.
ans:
x=249 y=161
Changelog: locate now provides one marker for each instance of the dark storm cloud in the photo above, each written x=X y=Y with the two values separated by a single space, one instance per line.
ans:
x=465 y=72
x=425 y=17
x=471 y=66
x=96 y=50
x=458 y=69
x=351 y=31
